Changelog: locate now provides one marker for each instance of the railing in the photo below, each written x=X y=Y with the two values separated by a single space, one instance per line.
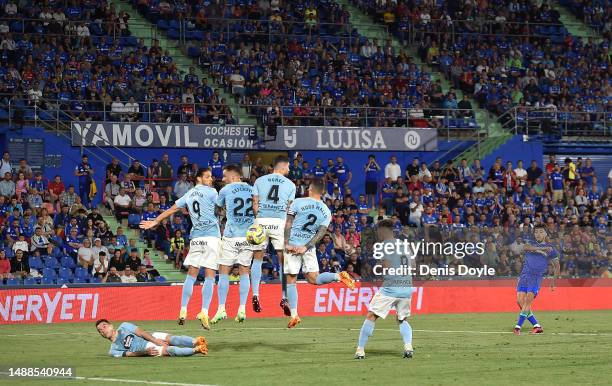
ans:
x=68 y=28
x=59 y=113
x=542 y=121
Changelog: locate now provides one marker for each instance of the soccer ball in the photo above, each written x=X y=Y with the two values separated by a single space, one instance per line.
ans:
x=255 y=235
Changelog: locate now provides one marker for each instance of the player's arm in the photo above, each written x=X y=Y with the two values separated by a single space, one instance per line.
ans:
x=255 y=205
x=556 y=271
x=165 y=214
x=288 y=225
x=219 y=211
x=147 y=336
x=316 y=238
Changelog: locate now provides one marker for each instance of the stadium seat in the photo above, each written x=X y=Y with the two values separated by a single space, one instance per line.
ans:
x=62 y=281
x=79 y=280
x=35 y=262
x=13 y=281
x=51 y=262
x=47 y=281
x=95 y=280
x=49 y=273
x=67 y=262
x=134 y=220
x=66 y=274
x=160 y=279
x=81 y=273
x=30 y=281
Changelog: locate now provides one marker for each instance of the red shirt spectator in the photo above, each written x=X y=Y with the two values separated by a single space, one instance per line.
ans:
x=57 y=186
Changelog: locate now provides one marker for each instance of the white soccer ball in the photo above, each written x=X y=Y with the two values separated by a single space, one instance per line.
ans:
x=255 y=235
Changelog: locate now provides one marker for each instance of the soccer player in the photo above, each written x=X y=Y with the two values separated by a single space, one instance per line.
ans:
x=272 y=195
x=538 y=253
x=132 y=341
x=204 y=241
x=237 y=200
x=307 y=222
x=394 y=293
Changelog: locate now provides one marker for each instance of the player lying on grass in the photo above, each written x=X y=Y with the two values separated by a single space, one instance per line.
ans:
x=394 y=293
x=538 y=253
x=236 y=200
x=130 y=340
x=307 y=222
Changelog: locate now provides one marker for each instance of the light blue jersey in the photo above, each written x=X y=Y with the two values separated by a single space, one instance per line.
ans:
x=275 y=192
x=237 y=199
x=127 y=340
x=398 y=286
x=309 y=215
x=200 y=201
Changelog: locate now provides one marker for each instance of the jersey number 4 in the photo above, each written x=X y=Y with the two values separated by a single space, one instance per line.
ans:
x=239 y=202
x=273 y=194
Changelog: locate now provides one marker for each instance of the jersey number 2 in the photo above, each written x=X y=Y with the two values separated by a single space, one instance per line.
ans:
x=312 y=219
x=239 y=202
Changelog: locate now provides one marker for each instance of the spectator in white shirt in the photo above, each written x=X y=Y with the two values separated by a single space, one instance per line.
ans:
x=132 y=109
x=122 y=203
x=100 y=266
x=521 y=173
x=393 y=170
x=5 y=164
x=128 y=276
x=10 y=9
x=21 y=244
x=97 y=248
x=182 y=186
x=118 y=110
x=85 y=254
x=237 y=81
x=4 y=28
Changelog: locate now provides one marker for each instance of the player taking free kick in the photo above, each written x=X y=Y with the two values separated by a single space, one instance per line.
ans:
x=132 y=341
x=394 y=293
x=307 y=222
x=538 y=253
x=204 y=241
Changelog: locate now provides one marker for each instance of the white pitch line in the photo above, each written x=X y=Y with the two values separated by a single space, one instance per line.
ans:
x=118 y=380
x=328 y=329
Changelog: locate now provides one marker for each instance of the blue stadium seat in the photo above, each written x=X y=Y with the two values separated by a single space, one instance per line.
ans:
x=62 y=281
x=35 y=262
x=65 y=274
x=81 y=273
x=160 y=279
x=134 y=220
x=95 y=280
x=30 y=281
x=193 y=52
x=79 y=280
x=13 y=281
x=51 y=262
x=47 y=281
x=68 y=262
x=49 y=273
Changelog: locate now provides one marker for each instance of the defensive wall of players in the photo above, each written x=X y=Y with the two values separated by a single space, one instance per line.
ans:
x=159 y=302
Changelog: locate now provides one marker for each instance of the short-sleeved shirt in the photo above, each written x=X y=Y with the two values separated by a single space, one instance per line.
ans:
x=237 y=199
x=556 y=180
x=536 y=263
x=216 y=168
x=200 y=201
x=275 y=192
x=398 y=286
x=309 y=215
x=127 y=341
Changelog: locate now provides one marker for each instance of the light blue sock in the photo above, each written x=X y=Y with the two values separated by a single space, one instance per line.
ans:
x=327 y=277
x=292 y=296
x=367 y=329
x=181 y=341
x=180 y=351
x=256 y=275
x=187 y=290
x=222 y=288
x=245 y=284
x=406 y=331
x=207 y=292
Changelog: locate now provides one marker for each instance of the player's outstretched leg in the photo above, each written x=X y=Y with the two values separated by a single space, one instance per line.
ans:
x=207 y=293
x=256 y=279
x=184 y=346
x=330 y=277
x=367 y=329
x=244 y=293
x=190 y=280
x=406 y=332
x=222 y=289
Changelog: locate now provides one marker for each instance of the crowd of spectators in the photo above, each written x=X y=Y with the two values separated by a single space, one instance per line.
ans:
x=508 y=54
x=595 y=13
x=49 y=236
x=79 y=59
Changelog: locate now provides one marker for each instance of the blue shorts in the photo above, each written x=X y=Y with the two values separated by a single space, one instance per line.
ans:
x=529 y=283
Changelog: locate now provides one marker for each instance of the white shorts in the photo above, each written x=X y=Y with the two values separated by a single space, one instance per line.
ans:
x=274 y=229
x=380 y=305
x=236 y=250
x=307 y=262
x=157 y=335
x=203 y=252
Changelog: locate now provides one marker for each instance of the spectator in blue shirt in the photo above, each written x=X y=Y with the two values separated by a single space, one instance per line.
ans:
x=216 y=167
x=343 y=172
x=372 y=169
x=84 y=172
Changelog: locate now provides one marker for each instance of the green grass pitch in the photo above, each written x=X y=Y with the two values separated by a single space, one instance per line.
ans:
x=465 y=349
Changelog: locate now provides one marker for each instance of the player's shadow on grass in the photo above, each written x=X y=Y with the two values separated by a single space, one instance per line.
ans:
x=383 y=353
x=248 y=346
